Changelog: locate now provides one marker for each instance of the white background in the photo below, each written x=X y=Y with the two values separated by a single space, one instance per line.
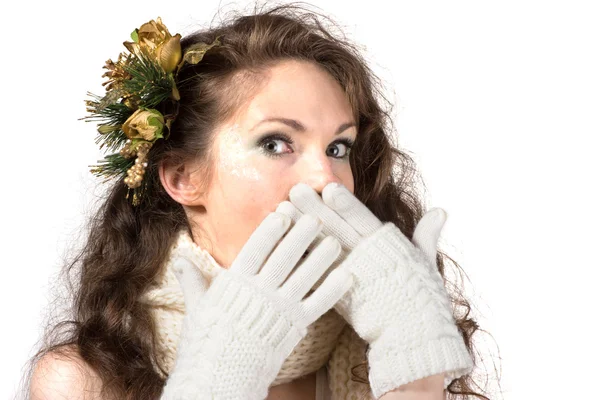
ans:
x=499 y=103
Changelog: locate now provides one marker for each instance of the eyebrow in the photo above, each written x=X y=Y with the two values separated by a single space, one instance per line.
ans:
x=298 y=126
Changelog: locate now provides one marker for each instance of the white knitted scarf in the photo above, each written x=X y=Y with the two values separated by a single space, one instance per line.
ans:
x=330 y=340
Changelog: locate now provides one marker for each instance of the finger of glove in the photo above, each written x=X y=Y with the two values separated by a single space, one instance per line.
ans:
x=192 y=282
x=287 y=208
x=287 y=254
x=308 y=201
x=337 y=262
x=324 y=298
x=261 y=243
x=303 y=279
x=427 y=233
x=351 y=209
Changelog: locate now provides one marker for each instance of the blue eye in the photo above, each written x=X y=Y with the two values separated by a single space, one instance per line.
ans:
x=268 y=144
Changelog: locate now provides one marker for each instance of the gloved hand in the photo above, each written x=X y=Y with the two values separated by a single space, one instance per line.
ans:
x=237 y=333
x=398 y=303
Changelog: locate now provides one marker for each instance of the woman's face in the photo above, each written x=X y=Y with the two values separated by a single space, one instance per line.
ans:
x=259 y=159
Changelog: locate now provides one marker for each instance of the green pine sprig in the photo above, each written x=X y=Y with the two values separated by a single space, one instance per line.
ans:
x=112 y=165
x=149 y=82
x=110 y=117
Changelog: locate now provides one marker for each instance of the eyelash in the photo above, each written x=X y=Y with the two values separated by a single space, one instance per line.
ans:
x=285 y=138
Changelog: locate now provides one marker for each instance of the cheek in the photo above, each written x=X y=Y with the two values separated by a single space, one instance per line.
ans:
x=249 y=190
x=348 y=181
x=251 y=184
x=247 y=194
x=344 y=174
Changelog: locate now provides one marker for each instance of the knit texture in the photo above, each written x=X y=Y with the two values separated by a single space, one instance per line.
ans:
x=399 y=305
x=330 y=341
x=240 y=338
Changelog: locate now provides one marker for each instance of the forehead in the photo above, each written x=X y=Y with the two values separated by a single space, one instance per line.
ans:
x=300 y=90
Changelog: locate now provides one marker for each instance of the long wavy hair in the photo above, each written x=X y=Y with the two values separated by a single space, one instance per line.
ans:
x=125 y=246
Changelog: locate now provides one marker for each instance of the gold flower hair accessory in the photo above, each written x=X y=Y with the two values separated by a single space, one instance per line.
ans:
x=138 y=82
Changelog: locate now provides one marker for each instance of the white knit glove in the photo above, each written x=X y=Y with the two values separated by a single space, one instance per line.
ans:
x=398 y=302
x=237 y=333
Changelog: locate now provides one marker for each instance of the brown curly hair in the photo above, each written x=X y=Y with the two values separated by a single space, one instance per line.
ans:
x=126 y=246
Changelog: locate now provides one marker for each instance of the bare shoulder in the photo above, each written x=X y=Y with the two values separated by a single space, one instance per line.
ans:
x=64 y=376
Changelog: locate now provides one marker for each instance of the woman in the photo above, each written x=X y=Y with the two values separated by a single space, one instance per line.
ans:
x=259 y=246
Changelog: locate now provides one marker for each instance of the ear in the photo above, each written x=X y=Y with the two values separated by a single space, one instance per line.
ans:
x=183 y=182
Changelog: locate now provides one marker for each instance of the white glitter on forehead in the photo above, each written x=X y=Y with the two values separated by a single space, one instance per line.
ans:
x=233 y=157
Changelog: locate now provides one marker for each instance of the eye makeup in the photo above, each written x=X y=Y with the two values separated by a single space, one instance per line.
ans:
x=272 y=137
